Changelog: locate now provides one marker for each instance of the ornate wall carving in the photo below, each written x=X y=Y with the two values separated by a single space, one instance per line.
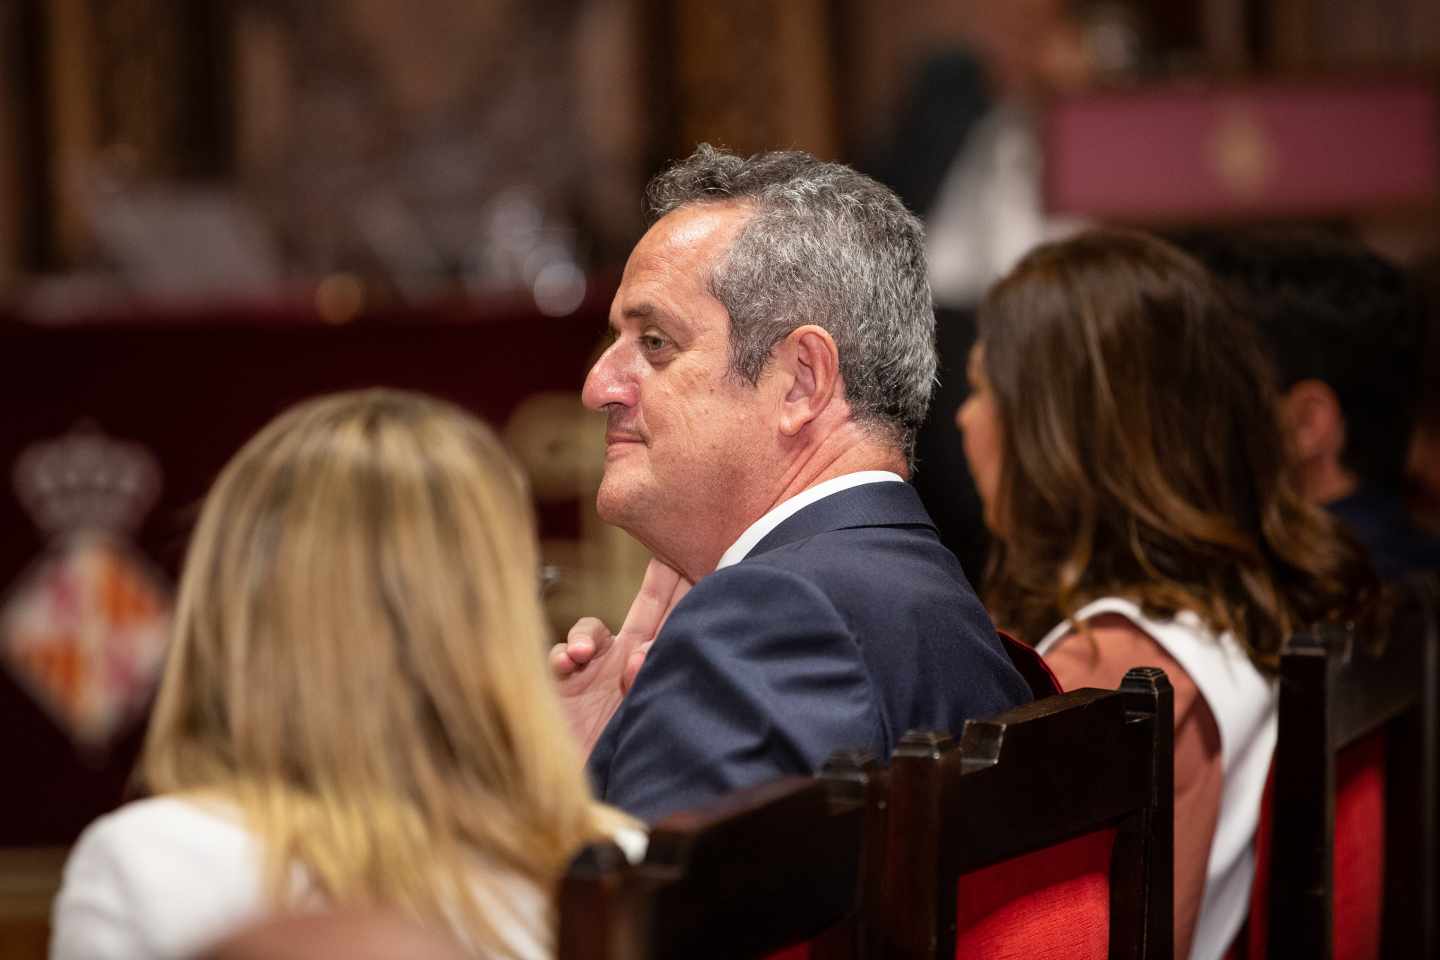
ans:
x=1336 y=34
x=367 y=126
x=751 y=74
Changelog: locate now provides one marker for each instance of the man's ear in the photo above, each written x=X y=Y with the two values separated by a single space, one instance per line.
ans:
x=809 y=364
x=1314 y=422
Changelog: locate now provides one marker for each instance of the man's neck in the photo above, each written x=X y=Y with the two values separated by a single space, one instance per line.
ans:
x=760 y=530
x=847 y=451
x=829 y=464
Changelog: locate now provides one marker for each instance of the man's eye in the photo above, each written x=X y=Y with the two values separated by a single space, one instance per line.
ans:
x=652 y=343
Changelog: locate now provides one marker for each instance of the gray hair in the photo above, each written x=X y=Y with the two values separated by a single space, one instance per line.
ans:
x=829 y=246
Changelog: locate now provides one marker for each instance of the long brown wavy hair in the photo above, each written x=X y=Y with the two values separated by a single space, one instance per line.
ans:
x=1142 y=453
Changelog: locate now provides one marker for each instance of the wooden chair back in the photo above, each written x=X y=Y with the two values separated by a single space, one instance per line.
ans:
x=777 y=867
x=1357 y=731
x=29 y=881
x=1076 y=768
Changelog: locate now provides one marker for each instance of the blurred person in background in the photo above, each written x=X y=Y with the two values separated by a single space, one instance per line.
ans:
x=1346 y=336
x=965 y=156
x=773 y=354
x=356 y=710
x=1121 y=432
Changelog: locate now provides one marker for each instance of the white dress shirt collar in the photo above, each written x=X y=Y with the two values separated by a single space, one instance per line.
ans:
x=782 y=511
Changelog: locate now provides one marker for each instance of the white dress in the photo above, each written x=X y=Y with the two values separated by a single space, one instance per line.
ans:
x=1243 y=702
x=167 y=877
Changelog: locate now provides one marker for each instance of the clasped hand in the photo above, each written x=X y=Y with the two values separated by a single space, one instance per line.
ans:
x=595 y=668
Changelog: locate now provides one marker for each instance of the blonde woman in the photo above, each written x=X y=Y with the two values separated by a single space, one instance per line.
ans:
x=356 y=709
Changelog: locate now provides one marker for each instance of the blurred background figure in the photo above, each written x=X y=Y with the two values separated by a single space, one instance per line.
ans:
x=355 y=710
x=966 y=156
x=1125 y=439
x=1346 y=336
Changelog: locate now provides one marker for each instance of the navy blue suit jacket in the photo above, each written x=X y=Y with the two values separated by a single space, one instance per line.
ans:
x=846 y=626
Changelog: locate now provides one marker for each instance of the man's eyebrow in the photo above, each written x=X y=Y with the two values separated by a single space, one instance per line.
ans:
x=641 y=311
x=646 y=312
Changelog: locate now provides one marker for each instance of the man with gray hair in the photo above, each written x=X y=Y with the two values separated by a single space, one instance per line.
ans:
x=773 y=356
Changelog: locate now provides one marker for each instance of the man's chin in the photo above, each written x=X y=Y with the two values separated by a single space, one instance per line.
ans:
x=616 y=501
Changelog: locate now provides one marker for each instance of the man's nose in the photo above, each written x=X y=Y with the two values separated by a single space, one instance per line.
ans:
x=608 y=381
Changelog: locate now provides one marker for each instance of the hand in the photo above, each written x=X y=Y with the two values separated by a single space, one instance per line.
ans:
x=595 y=669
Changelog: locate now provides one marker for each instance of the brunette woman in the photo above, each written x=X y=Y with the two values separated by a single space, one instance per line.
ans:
x=1122 y=430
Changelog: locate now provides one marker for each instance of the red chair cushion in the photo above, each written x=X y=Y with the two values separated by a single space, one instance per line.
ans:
x=1358 y=871
x=1359 y=875
x=1053 y=904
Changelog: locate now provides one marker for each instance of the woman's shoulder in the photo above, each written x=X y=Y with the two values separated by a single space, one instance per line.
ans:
x=156 y=877
x=173 y=829
x=1110 y=636
x=1104 y=640
x=1113 y=629
x=168 y=814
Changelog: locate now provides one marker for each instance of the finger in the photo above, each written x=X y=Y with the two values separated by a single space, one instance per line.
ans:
x=681 y=588
x=588 y=639
x=561 y=665
x=633 y=665
x=652 y=603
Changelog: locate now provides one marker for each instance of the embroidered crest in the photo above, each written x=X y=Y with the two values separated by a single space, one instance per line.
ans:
x=86 y=626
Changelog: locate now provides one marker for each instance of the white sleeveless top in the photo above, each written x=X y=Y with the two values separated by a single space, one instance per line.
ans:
x=1243 y=702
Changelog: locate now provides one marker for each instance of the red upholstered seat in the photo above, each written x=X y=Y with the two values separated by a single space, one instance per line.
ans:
x=1359 y=865
x=1045 y=832
x=1053 y=904
x=1359 y=848
x=1019 y=908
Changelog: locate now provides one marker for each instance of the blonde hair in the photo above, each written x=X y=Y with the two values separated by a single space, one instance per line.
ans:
x=358 y=665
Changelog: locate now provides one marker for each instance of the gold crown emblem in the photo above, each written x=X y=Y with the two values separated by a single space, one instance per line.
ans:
x=87 y=481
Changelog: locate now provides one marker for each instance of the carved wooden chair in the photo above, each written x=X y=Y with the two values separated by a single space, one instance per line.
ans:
x=1047 y=830
x=1349 y=853
x=782 y=867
